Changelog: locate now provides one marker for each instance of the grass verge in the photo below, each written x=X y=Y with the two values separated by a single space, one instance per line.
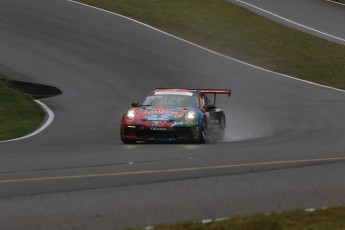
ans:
x=19 y=115
x=239 y=33
x=332 y=218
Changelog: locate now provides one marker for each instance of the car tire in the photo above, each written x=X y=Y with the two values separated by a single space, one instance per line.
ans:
x=128 y=141
x=222 y=126
x=203 y=135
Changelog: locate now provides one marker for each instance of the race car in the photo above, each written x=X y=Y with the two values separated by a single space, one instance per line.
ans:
x=174 y=115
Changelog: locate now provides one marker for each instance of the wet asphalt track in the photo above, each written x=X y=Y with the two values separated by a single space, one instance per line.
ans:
x=78 y=175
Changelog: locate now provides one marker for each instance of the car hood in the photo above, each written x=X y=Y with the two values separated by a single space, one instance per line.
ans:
x=162 y=113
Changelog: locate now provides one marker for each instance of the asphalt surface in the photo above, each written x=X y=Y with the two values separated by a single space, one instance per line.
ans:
x=284 y=147
x=318 y=17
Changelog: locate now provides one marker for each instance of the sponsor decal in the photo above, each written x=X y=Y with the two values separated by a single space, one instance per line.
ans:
x=174 y=93
x=178 y=123
x=158 y=128
x=161 y=112
x=158 y=117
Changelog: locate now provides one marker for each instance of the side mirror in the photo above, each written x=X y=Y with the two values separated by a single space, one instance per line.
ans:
x=135 y=104
x=210 y=107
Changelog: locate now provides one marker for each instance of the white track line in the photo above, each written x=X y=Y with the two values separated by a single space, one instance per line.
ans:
x=339 y=3
x=214 y=52
x=43 y=127
x=292 y=22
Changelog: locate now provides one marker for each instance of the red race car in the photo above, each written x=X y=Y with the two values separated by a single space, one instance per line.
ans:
x=175 y=115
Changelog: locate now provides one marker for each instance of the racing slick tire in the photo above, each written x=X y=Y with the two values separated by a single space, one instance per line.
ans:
x=222 y=126
x=128 y=141
x=203 y=135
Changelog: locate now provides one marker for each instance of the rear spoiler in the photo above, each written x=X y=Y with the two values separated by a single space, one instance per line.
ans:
x=214 y=92
x=208 y=91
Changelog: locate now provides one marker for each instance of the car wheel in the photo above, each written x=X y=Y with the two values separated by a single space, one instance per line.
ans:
x=128 y=141
x=222 y=126
x=203 y=132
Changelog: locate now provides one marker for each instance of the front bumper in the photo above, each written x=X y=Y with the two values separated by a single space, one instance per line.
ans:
x=145 y=133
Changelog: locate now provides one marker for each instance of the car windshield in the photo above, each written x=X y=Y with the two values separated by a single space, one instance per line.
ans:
x=157 y=99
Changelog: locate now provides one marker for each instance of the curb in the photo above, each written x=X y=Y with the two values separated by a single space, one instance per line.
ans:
x=49 y=119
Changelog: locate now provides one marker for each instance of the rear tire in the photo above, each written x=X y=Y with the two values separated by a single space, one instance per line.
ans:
x=222 y=126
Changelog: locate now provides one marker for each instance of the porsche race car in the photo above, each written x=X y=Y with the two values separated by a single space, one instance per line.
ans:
x=174 y=115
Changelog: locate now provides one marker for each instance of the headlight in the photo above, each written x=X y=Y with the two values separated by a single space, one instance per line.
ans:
x=190 y=115
x=131 y=114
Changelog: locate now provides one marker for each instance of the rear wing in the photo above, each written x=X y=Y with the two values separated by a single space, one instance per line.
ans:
x=208 y=91
x=214 y=92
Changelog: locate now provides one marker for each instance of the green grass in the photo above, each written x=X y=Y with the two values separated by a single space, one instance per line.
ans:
x=325 y=219
x=19 y=115
x=236 y=32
